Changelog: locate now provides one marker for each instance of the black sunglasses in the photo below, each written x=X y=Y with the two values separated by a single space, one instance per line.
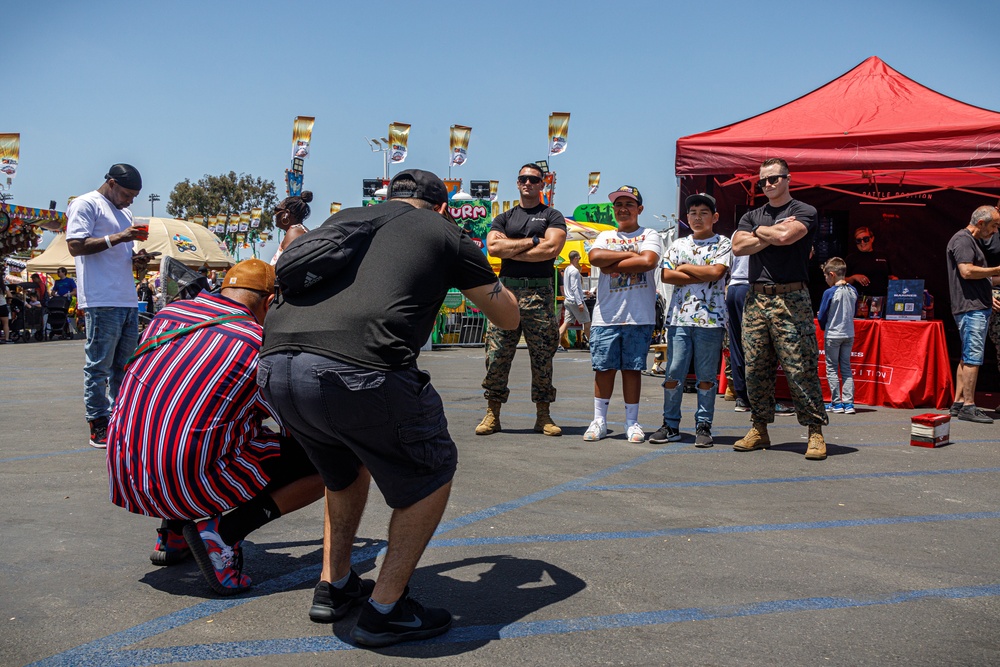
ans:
x=862 y=239
x=534 y=180
x=770 y=180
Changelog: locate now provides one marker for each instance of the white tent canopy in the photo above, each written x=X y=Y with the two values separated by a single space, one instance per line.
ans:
x=191 y=244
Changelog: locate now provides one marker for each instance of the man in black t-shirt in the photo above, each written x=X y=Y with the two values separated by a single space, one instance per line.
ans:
x=338 y=366
x=991 y=250
x=869 y=269
x=969 y=286
x=778 y=318
x=527 y=239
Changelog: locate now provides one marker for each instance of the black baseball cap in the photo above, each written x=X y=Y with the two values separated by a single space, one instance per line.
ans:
x=430 y=188
x=700 y=198
x=627 y=191
x=125 y=175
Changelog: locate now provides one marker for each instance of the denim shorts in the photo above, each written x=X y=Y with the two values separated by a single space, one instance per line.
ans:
x=346 y=416
x=972 y=326
x=620 y=348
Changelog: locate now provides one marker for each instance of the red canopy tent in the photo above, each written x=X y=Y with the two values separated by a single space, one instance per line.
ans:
x=871 y=148
x=871 y=125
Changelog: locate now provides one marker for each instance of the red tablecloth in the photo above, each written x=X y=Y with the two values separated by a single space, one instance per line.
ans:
x=895 y=364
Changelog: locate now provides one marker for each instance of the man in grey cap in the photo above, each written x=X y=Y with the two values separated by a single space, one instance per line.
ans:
x=338 y=366
x=100 y=235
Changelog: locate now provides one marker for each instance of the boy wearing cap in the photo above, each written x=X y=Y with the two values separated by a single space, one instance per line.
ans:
x=99 y=234
x=625 y=312
x=696 y=319
x=185 y=440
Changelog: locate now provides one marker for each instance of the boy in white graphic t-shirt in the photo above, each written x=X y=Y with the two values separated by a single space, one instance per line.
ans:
x=625 y=311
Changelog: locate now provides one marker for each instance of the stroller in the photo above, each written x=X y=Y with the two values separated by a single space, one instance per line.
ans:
x=24 y=321
x=59 y=318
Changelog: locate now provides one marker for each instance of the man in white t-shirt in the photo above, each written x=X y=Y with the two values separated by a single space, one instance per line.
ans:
x=625 y=312
x=696 y=318
x=574 y=298
x=99 y=234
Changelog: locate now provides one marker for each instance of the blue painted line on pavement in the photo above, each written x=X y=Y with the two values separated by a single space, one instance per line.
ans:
x=790 y=480
x=520 y=629
x=50 y=454
x=708 y=530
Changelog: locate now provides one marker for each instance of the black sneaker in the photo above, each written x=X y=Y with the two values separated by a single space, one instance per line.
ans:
x=407 y=621
x=970 y=413
x=703 y=435
x=332 y=604
x=99 y=433
x=741 y=405
x=665 y=434
x=955 y=408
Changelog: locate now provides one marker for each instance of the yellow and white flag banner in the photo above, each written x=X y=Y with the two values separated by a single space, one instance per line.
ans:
x=558 y=129
x=399 y=134
x=593 y=181
x=10 y=152
x=459 y=145
x=255 y=214
x=335 y=207
x=301 y=136
x=494 y=186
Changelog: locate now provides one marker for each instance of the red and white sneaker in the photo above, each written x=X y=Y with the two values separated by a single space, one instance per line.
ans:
x=99 y=433
x=220 y=563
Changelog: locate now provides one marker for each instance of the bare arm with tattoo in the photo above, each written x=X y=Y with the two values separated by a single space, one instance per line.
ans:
x=497 y=302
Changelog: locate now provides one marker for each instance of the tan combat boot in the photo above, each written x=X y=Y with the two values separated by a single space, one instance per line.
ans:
x=817 y=445
x=756 y=438
x=730 y=394
x=491 y=422
x=543 y=422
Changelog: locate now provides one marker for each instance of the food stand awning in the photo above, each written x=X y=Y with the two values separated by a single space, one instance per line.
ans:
x=20 y=226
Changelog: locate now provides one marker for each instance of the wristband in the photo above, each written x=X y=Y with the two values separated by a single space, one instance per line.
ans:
x=107 y=240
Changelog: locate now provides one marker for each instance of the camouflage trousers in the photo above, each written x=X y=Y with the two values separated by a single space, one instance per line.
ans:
x=779 y=329
x=541 y=333
x=995 y=326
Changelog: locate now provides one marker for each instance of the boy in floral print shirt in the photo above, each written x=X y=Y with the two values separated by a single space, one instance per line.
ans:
x=696 y=266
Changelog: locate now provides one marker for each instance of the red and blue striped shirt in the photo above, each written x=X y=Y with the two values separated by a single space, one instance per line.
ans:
x=185 y=439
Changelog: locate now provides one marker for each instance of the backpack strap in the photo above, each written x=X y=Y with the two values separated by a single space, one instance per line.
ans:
x=159 y=340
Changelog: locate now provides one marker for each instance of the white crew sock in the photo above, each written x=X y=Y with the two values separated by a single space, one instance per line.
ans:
x=631 y=414
x=601 y=409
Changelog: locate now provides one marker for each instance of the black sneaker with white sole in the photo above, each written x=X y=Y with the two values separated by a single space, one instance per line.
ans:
x=665 y=433
x=99 y=433
x=408 y=621
x=703 y=435
x=332 y=604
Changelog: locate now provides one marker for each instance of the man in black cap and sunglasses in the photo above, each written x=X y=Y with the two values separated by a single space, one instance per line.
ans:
x=100 y=235
x=527 y=238
x=778 y=316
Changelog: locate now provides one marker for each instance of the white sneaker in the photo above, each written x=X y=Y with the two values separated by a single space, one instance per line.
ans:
x=598 y=430
x=636 y=434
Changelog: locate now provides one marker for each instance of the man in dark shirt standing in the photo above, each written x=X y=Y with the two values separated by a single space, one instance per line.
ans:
x=869 y=269
x=778 y=317
x=338 y=366
x=526 y=239
x=991 y=249
x=969 y=286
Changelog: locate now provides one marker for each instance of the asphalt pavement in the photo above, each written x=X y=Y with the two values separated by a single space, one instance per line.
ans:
x=553 y=551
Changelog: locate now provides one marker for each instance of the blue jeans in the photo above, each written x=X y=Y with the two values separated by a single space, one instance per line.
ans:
x=704 y=345
x=972 y=327
x=112 y=335
x=838 y=358
x=736 y=298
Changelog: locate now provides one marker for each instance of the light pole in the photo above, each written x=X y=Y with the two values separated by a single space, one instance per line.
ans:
x=152 y=202
x=383 y=148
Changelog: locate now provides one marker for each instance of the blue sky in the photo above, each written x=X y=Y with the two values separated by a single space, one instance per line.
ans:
x=182 y=89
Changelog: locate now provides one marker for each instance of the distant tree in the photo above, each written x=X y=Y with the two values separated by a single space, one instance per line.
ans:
x=226 y=194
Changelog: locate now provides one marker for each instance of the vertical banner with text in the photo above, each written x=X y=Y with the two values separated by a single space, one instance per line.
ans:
x=399 y=135
x=558 y=130
x=593 y=181
x=459 y=145
x=301 y=136
x=10 y=153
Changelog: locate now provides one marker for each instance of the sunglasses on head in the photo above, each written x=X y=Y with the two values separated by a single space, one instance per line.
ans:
x=862 y=239
x=771 y=180
x=534 y=180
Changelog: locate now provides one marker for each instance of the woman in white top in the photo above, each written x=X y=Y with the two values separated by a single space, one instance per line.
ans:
x=288 y=217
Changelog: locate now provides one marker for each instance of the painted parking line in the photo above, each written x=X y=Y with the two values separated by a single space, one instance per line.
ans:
x=516 y=630
x=790 y=480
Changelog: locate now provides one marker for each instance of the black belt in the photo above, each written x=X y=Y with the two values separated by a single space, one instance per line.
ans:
x=777 y=288
x=526 y=282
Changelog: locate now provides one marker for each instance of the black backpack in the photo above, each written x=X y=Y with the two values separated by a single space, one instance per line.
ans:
x=325 y=251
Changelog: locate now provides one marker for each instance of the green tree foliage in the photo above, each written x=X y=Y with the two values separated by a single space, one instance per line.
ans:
x=226 y=194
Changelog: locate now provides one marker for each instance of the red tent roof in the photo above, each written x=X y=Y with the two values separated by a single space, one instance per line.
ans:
x=872 y=123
